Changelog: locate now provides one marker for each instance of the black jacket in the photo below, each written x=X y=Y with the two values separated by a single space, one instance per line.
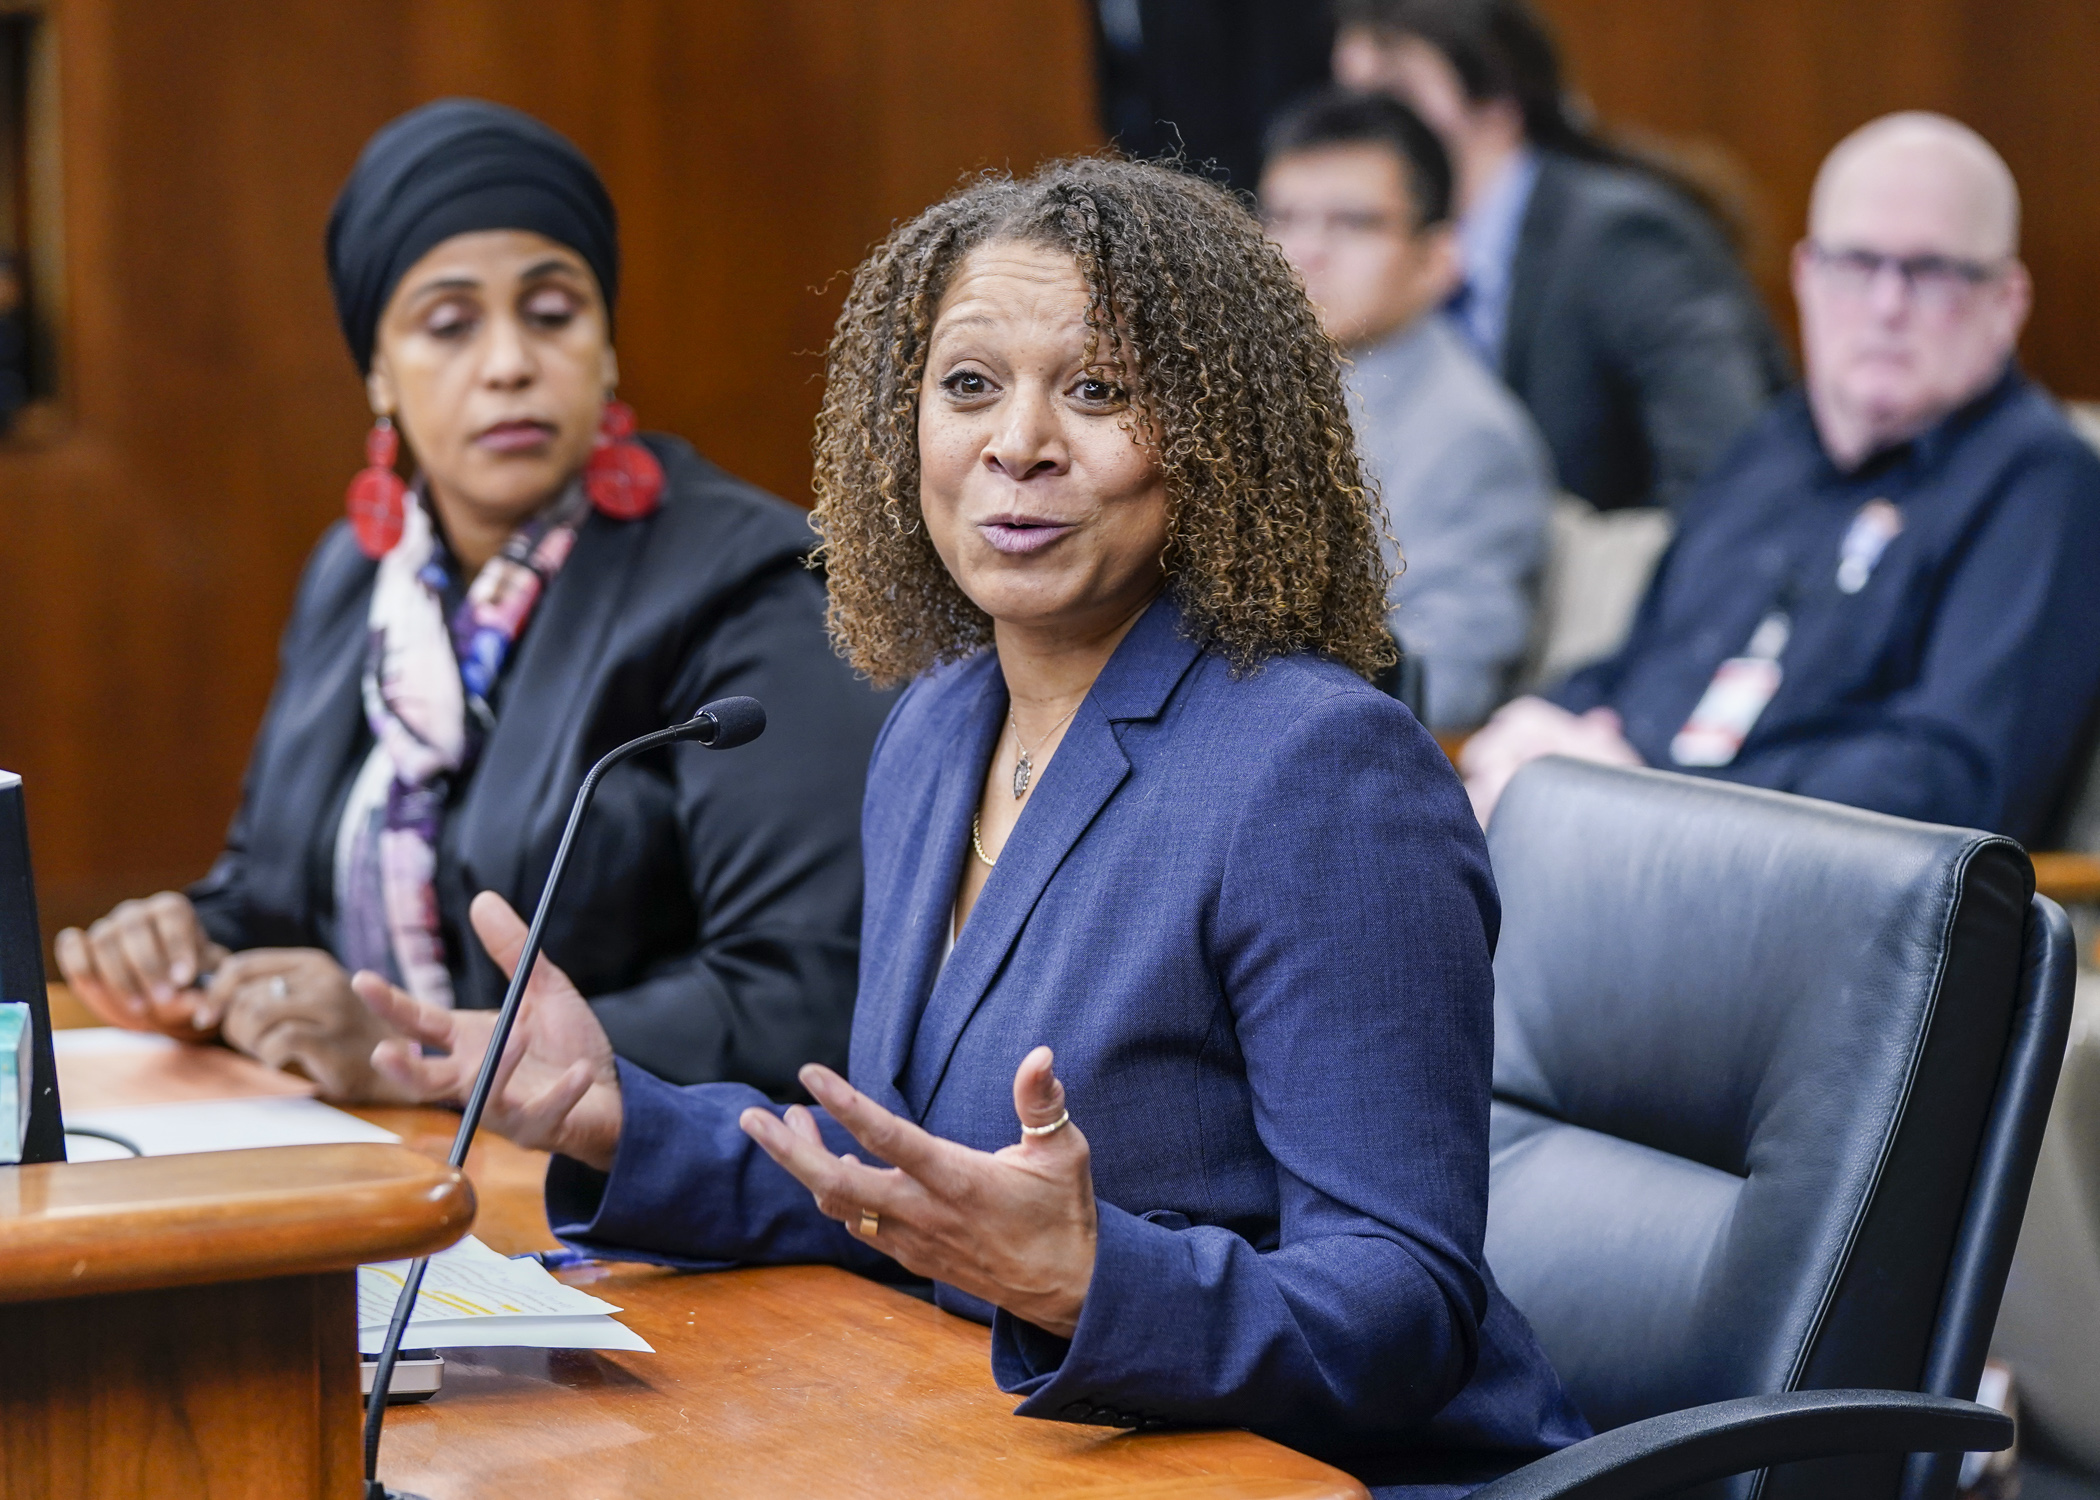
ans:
x=1633 y=335
x=711 y=909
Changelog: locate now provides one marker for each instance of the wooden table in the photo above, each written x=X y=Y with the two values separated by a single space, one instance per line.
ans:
x=185 y=1325
x=800 y=1380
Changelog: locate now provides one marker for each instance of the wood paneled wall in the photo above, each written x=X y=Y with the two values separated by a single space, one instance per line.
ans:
x=1779 y=82
x=151 y=535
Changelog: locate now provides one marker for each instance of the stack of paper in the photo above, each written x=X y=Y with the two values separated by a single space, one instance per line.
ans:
x=472 y=1297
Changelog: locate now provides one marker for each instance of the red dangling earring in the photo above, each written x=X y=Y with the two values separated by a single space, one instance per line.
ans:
x=623 y=478
x=378 y=500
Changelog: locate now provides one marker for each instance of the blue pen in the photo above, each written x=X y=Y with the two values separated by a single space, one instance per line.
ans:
x=557 y=1260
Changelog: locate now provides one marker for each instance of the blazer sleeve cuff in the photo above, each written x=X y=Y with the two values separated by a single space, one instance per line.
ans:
x=612 y=1213
x=1130 y=1307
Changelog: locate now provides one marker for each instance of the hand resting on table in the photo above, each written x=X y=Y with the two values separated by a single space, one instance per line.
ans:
x=138 y=966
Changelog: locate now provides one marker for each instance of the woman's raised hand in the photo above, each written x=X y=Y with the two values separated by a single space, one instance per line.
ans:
x=139 y=965
x=556 y=1090
x=1015 y=1227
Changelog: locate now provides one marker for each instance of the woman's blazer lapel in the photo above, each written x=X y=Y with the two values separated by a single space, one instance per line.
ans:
x=903 y=961
x=1083 y=775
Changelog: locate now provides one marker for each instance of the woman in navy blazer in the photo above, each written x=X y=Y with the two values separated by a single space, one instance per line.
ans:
x=1160 y=866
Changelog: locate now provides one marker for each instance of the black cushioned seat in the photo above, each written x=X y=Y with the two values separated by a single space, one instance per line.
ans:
x=1770 y=1078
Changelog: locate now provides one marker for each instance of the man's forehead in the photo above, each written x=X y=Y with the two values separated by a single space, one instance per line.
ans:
x=1350 y=168
x=1907 y=212
x=1916 y=190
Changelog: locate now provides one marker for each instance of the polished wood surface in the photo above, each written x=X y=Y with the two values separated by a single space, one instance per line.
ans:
x=510 y=1216
x=1778 y=83
x=2071 y=879
x=89 y=1228
x=186 y=1325
x=799 y=1380
x=210 y=418
x=180 y=1075
x=241 y=1391
x=788 y=1380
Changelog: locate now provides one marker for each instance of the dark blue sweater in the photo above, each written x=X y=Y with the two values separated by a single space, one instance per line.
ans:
x=1957 y=685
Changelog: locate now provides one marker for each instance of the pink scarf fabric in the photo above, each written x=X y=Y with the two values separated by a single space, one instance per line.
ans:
x=427 y=687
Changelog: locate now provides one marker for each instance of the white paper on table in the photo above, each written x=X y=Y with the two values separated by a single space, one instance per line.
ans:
x=94 y=1041
x=472 y=1297
x=217 y=1125
x=594 y=1332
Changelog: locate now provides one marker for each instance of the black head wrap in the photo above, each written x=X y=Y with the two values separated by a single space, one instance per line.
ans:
x=455 y=167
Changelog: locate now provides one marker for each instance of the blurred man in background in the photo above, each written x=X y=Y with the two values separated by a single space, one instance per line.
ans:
x=1200 y=79
x=1357 y=191
x=1889 y=593
x=1595 y=284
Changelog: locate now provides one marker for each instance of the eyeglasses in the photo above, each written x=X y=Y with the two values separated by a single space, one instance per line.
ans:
x=1940 y=282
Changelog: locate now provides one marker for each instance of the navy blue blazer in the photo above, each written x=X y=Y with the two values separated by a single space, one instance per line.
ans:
x=1253 y=916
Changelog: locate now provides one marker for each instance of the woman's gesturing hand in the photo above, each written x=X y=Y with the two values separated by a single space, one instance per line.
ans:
x=1016 y=1227
x=557 y=1088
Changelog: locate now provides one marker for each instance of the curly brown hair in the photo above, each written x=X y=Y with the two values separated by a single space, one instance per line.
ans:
x=1272 y=532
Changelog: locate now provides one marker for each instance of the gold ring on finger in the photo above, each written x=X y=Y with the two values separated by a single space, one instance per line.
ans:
x=870 y=1223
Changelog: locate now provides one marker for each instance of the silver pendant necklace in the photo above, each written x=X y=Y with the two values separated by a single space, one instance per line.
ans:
x=1024 y=768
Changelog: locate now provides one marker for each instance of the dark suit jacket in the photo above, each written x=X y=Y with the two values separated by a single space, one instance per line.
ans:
x=1207 y=76
x=712 y=901
x=1254 y=918
x=1956 y=685
x=1633 y=335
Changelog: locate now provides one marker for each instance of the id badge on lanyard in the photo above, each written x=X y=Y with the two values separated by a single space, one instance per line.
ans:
x=1729 y=708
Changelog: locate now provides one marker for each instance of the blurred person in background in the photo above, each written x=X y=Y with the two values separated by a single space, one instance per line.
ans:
x=1357 y=192
x=1888 y=594
x=14 y=341
x=462 y=649
x=1606 y=297
x=1198 y=80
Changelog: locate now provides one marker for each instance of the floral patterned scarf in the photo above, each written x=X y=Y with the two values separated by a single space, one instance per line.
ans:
x=427 y=685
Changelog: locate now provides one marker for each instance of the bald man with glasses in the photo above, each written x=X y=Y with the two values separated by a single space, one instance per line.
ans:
x=1888 y=593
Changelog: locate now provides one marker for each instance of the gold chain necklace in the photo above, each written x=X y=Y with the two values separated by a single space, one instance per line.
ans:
x=1024 y=768
x=977 y=843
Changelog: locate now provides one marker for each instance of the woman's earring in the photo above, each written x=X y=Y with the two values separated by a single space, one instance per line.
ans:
x=378 y=500
x=623 y=478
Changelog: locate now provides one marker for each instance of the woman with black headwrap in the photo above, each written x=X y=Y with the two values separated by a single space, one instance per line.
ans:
x=462 y=647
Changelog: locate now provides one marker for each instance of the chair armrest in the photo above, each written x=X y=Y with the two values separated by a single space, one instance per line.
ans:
x=2068 y=879
x=1663 y=1454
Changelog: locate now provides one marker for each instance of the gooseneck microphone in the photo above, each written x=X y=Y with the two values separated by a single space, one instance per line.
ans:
x=721 y=725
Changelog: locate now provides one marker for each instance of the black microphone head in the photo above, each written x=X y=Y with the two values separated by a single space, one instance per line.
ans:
x=728 y=722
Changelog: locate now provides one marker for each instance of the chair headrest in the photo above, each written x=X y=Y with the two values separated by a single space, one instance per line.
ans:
x=1680 y=958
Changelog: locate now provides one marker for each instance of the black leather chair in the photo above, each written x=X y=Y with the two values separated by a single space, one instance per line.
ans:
x=1770 y=1079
